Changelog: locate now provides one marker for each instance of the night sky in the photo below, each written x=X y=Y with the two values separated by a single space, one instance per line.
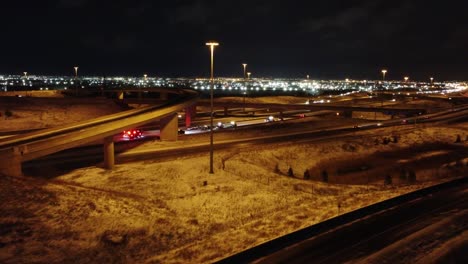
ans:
x=325 y=39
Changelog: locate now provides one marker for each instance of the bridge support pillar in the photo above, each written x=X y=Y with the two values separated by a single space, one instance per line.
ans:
x=189 y=115
x=169 y=126
x=11 y=166
x=120 y=95
x=109 y=159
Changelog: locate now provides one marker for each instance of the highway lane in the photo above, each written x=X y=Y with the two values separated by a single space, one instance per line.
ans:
x=48 y=141
x=376 y=233
x=90 y=155
x=318 y=106
x=93 y=155
x=307 y=136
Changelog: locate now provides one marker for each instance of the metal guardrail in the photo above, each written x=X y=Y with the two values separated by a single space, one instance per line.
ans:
x=277 y=244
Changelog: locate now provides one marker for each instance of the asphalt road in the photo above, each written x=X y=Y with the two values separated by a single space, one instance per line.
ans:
x=378 y=233
x=90 y=155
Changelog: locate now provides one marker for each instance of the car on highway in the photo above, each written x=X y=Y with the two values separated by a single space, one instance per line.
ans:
x=368 y=125
x=271 y=119
x=132 y=134
x=231 y=124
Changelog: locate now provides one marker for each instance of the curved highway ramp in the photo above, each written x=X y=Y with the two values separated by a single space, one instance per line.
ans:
x=17 y=149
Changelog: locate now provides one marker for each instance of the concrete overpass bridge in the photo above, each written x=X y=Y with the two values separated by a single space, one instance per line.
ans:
x=137 y=95
x=17 y=149
x=142 y=96
x=227 y=107
x=346 y=111
x=153 y=94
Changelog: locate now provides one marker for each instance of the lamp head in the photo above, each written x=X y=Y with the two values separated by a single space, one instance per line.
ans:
x=212 y=43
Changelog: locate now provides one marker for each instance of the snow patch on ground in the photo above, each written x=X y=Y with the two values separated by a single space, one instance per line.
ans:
x=176 y=212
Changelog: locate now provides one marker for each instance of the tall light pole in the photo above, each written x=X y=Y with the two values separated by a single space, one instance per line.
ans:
x=212 y=45
x=245 y=66
x=248 y=75
x=384 y=71
x=76 y=80
x=406 y=78
x=25 y=78
x=145 y=78
x=432 y=80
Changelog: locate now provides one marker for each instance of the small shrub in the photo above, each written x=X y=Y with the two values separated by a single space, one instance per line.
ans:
x=324 y=176
x=403 y=175
x=8 y=113
x=395 y=139
x=306 y=175
x=277 y=170
x=411 y=176
x=290 y=172
x=458 y=140
x=388 y=180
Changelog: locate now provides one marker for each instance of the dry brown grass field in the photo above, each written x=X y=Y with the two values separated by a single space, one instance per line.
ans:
x=176 y=212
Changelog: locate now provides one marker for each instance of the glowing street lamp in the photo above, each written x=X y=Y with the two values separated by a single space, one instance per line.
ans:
x=432 y=80
x=25 y=75
x=383 y=74
x=248 y=75
x=76 y=81
x=245 y=66
x=145 y=76
x=212 y=45
x=406 y=78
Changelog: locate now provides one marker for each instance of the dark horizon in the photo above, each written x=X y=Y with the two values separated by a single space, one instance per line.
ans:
x=279 y=39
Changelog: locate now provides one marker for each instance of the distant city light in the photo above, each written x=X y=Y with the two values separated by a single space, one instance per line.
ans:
x=232 y=86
